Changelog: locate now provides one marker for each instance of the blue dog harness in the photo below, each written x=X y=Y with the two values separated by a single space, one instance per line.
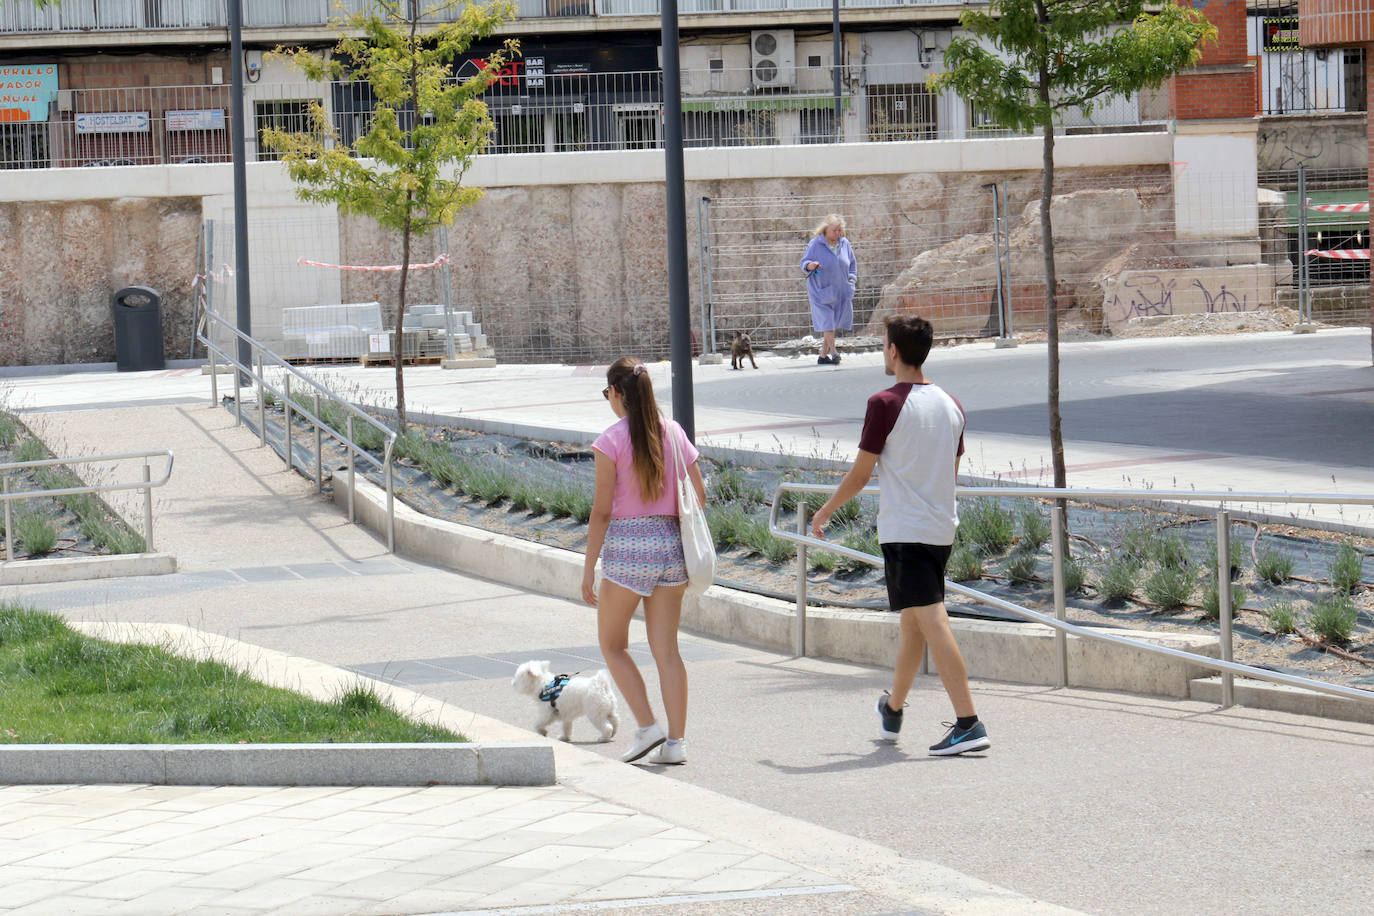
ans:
x=550 y=693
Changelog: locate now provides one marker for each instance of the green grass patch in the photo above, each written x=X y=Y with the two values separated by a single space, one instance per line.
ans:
x=730 y=525
x=1346 y=568
x=864 y=540
x=1033 y=525
x=1282 y=619
x=30 y=450
x=36 y=533
x=730 y=485
x=9 y=430
x=1118 y=581
x=1235 y=558
x=1333 y=618
x=57 y=685
x=820 y=561
x=1074 y=576
x=1211 y=601
x=1274 y=567
x=1169 y=551
x=1021 y=567
x=987 y=526
x=964 y=565
x=1170 y=587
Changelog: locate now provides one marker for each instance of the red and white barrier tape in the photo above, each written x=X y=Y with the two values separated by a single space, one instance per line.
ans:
x=1342 y=254
x=442 y=259
x=1338 y=208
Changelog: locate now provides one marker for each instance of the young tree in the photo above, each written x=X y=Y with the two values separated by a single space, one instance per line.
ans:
x=1056 y=54
x=406 y=171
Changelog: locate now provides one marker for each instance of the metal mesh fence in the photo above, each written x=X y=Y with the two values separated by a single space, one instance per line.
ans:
x=1125 y=249
x=1128 y=247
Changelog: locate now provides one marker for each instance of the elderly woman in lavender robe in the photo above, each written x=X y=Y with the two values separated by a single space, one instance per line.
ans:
x=831 y=273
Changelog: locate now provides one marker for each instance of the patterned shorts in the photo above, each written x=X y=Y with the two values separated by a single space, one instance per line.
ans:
x=643 y=553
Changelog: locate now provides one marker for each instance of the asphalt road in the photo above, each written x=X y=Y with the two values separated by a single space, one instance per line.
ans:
x=1291 y=397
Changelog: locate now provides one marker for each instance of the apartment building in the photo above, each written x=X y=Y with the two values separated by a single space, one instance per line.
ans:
x=143 y=81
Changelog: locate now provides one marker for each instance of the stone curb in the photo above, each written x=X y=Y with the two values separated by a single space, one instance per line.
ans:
x=1016 y=652
x=519 y=763
x=72 y=569
x=914 y=883
x=278 y=764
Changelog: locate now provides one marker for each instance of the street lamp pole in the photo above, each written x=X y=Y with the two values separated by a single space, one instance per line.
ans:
x=675 y=188
x=835 y=61
x=244 y=311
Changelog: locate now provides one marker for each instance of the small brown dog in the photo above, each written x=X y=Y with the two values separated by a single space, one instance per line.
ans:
x=741 y=347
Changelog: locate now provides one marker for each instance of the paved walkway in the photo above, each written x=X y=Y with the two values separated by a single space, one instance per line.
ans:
x=1096 y=801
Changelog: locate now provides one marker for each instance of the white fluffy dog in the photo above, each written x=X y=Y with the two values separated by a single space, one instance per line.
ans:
x=565 y=697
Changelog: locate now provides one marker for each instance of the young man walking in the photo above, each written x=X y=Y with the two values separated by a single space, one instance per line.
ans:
x=913 y=435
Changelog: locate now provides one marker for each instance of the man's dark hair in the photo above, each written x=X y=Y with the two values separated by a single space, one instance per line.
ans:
x=912 y=336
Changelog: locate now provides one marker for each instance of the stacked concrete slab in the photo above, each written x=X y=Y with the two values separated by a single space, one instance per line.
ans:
x=431 y=329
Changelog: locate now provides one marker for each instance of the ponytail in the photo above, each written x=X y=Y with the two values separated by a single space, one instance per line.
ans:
x=630 y=378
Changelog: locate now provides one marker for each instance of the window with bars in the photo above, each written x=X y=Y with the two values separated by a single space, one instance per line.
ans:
x=290 y=115
x=902 y=112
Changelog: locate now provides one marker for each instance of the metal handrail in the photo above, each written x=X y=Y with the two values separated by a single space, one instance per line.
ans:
x=262 y=356
x=1228 y=668
x=8 y=496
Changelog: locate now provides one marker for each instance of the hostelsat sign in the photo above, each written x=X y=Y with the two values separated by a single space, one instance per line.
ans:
x=26 y=91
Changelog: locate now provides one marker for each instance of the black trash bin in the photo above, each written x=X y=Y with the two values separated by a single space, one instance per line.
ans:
x=138 y=329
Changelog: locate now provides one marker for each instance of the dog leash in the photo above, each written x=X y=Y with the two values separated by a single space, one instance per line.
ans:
x=550 y=693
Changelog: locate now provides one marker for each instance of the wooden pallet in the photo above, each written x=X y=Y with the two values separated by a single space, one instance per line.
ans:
x=368 y=362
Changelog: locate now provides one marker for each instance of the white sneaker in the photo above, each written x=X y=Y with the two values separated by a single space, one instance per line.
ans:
x=646 y=739
x=669 y=753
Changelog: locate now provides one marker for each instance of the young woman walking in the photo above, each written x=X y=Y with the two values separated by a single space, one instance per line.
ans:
x=634 y=529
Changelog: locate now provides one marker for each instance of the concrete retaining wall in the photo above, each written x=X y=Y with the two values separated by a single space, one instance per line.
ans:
x=560 y=250
x=1021 y=653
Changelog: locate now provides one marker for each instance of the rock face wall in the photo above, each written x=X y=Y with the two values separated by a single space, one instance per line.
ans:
x=61 y=263
x=579 y=271
x=1097 y=231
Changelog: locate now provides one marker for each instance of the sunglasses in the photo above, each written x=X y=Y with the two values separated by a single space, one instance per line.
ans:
x=606 y=392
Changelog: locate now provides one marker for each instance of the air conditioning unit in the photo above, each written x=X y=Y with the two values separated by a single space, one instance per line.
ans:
x=773 y=59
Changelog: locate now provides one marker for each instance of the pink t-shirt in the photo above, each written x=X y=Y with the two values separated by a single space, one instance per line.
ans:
x=615 y=444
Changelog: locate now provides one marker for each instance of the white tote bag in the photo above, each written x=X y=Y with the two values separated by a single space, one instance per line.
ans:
x=698 y=547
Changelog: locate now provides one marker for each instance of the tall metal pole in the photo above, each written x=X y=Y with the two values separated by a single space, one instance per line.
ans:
x=236 y=142
x=835 y=55
x=675 y=188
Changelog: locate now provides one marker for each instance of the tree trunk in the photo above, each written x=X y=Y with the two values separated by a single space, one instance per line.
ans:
x=1051 y=280
x=398 y=347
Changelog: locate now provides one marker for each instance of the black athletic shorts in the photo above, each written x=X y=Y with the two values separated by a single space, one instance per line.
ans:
x=915 y=574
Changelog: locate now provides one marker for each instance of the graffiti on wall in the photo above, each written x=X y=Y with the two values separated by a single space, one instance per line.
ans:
x=1136 y=294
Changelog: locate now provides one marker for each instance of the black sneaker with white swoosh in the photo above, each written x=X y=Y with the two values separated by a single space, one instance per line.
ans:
x=961 y=740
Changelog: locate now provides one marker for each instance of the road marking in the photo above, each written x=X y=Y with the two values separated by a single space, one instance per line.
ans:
x=1120 y=463
x=631 y=902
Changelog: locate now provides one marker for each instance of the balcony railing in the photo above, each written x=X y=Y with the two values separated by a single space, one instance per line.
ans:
x=23 y=16
x=554 y=113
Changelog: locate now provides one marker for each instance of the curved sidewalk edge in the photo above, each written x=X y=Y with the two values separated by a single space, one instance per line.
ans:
x=921 y=885
x=78 y=569
x=518 y=762
x=1021 y=653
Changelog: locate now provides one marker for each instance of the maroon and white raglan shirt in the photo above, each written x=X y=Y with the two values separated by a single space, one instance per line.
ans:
x=916 y=431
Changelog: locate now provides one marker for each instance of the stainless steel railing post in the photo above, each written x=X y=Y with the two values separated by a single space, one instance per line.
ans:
x=352 y=516
x=147 y=507
x=390 y=499
x=286 y=421
x=319 y=448
x=799 y=638
x=214 y=379
x=262 y=404
x=1061 y=639
x=1228 y=680
x=9 y=519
